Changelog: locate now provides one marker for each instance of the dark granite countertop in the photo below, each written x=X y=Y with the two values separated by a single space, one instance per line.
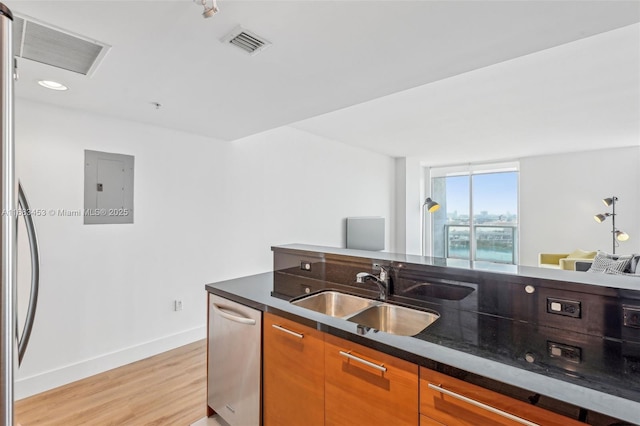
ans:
x=605 y=380
x=598 y=280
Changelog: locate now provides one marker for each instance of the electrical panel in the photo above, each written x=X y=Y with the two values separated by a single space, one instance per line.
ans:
x=108 y=188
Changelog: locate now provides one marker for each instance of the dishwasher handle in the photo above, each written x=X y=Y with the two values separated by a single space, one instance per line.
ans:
x=225 y=313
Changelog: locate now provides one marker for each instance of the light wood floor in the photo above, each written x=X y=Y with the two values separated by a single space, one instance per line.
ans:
x=167 y=389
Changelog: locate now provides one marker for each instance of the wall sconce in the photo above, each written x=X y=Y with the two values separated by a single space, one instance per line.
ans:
x=616 y=234
x=430 y=206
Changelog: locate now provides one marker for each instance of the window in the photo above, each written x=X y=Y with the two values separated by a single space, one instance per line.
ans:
x=478 y=218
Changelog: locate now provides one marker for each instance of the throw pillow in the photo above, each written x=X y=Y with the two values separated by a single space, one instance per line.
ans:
x=616 y=272
x=633 y=265
x=608 y=263
x=581 y=254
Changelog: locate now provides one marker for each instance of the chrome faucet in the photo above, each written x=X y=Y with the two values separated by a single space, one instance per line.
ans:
x=383 y=280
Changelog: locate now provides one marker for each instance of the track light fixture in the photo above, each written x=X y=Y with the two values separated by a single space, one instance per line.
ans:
x=616 y=234
x=209 y=11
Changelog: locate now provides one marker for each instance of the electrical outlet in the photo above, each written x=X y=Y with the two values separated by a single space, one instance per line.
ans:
x=565 y=352
x=568 y=308
x=177 y=305
x=631 y=316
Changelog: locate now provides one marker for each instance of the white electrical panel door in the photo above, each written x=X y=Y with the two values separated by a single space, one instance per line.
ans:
x=108 y=188
x=111 y=178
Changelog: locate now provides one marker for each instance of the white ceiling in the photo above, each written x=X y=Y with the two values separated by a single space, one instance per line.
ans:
x=451 y=81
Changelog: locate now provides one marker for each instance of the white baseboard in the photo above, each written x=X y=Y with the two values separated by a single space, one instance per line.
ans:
x=28 y=386
x=214 y=420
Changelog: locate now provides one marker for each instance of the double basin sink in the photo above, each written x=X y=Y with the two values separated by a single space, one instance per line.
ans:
x=369 y=313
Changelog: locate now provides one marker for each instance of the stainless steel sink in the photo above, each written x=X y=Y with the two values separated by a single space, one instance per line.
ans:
x=395 y=319
x=369 y=313
x=335 y=303
x=440 y=291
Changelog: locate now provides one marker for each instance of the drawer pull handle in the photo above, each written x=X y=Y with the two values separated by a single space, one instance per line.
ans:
x=379 y=367
x=225 y=313
x=293 y=333
x=478 y=404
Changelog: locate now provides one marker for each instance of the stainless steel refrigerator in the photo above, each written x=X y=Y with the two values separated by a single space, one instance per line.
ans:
x=14 y=207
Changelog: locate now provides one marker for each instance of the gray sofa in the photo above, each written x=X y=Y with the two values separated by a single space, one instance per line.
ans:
x=599 y=264
x=583 y=265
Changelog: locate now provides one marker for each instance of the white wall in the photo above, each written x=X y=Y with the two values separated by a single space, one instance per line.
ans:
x=408 y=206
x=560 y=194
x=402 y=218
x=205 y=210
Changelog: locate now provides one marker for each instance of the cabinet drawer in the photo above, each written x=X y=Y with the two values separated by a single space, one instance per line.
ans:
x=364 y=386
x=428 y=421
x=277 y=332
x=293 y=374
x=456 y=403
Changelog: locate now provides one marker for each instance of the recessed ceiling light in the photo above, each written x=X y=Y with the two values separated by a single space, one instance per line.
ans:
x=53 y=85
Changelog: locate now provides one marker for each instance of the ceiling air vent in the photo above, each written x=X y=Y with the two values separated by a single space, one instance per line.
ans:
x=46 y=44
x=246 y=40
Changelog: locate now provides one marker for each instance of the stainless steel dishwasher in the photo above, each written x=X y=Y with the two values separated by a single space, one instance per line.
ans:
x=235 y=335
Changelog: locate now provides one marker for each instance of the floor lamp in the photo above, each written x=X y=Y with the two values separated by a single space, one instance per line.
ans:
x=616 y=234
x=429 y=206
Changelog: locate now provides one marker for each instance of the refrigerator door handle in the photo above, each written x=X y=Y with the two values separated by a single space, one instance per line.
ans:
x=8 y=222
x=23 y=206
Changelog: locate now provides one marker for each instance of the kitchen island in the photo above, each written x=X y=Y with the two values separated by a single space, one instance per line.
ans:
x=558 y=339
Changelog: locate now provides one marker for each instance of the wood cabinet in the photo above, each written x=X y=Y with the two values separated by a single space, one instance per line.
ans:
x=293 y=361
x=311 y=378
x=428 y=421
x=367 y=387
x=445 y=400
